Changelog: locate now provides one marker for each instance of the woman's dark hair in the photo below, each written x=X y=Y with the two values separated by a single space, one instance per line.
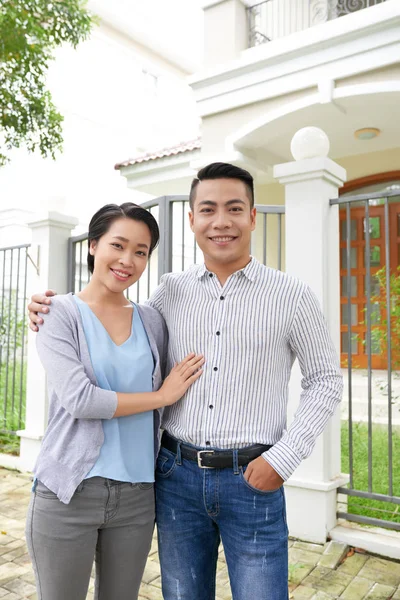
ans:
x=219 y=170
x=101 y=221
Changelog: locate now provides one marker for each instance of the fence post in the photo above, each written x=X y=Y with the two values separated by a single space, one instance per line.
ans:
x=49 y=251
x=165 y=225
x=312 y=254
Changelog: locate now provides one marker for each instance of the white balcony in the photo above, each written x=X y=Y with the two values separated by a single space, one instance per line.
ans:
x=351 y=55
x=273 y=19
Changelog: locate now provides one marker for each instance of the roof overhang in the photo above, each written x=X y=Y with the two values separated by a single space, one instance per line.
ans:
x=160 y=176
x=350 y=108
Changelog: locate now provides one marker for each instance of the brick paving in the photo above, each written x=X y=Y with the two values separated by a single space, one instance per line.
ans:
x=316 y=572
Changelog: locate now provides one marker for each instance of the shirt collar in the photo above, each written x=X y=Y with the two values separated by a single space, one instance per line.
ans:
x=251 y=270
x=201 y=271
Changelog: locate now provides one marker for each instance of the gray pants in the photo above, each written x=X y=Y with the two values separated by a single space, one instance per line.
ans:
x=107 y=520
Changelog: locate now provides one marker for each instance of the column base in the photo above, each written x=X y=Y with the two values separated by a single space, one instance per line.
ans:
x=311 y=507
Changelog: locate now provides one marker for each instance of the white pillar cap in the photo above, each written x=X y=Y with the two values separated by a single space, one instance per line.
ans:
x=55 y=219
x=309 y=142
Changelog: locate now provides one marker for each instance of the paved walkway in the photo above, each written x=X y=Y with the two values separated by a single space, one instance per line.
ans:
x=379 y=405
x=317 y=572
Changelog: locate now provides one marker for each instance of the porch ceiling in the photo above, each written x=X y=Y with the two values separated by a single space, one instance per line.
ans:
x=339 y=119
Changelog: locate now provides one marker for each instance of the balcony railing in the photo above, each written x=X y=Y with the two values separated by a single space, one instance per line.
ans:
x=273 y=19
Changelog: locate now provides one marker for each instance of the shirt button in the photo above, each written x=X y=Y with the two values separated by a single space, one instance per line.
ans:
x=210 y=274
x=218 y=333
x=211 y=406
x=222 y=297
x=208 y=443
x=215 y=368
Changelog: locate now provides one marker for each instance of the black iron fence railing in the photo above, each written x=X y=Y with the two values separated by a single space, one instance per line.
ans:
x=370 y=339
x=272 y=19
x=13 y=340
x=177 y=249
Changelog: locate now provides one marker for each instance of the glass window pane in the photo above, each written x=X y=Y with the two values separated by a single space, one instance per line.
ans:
x=353 y=286
x=353 y=230
x=374 y=256
x=345 y=343
x=375 y=287
x=375 y=314
x=375 y=346
x=374 y=227
x=353 y=312
x=377 y=201
x=353 y=258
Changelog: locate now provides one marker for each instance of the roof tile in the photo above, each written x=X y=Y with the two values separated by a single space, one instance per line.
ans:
x=178 y=149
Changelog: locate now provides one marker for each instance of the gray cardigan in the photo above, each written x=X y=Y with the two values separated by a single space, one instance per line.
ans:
x=77 y=405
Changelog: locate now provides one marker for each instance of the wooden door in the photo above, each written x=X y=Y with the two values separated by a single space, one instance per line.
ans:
x=357 y=318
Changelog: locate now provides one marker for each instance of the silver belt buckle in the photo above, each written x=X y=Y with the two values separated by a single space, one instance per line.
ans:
x=199 y=458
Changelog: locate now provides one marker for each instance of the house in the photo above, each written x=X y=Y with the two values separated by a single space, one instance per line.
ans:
x=280 y=65
x=270 y=70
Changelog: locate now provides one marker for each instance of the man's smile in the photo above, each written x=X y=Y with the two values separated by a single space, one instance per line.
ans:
x=223 y=240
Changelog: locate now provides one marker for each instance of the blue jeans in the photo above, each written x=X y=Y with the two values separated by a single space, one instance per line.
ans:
x=195 y=509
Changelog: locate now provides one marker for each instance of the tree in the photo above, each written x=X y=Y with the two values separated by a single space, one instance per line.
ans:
x=30 y=30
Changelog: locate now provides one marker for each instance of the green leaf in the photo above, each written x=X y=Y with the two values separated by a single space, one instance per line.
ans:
x=30 y=30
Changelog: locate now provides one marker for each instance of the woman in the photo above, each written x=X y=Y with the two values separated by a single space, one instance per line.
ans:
x=93 y=490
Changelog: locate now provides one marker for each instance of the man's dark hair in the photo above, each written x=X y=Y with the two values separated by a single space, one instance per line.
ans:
x=219 y=170
x=102 y=220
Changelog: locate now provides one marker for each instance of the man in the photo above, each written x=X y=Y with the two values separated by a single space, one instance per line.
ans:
x=225 y=449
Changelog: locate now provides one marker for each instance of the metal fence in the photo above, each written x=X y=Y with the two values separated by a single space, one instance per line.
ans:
x=177 y=249
x=370 y=328
x=273 y=19
x=13 y=338
x=370 y=332
x=268 y=238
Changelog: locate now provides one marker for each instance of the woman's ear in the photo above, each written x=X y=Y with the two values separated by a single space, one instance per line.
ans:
x=92 y=247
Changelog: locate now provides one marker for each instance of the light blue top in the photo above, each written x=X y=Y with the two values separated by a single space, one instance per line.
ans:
x=127 y=453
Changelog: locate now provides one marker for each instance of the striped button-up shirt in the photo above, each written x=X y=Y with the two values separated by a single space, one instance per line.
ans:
x=250 y=330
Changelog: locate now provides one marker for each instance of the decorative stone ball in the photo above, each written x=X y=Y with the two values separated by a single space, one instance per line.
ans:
x=309 y=142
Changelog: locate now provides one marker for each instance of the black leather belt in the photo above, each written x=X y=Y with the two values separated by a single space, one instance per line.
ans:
x=213 y=459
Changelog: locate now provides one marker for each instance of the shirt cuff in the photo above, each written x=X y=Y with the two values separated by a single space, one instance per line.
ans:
x=283 y=459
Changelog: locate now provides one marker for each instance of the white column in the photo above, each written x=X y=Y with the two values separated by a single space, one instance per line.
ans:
x=312 y=255
x=225 y=30
x=49 y=251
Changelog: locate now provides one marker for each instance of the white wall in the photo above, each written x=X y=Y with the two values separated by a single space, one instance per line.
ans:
x=14 y=230
x=114 y=108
